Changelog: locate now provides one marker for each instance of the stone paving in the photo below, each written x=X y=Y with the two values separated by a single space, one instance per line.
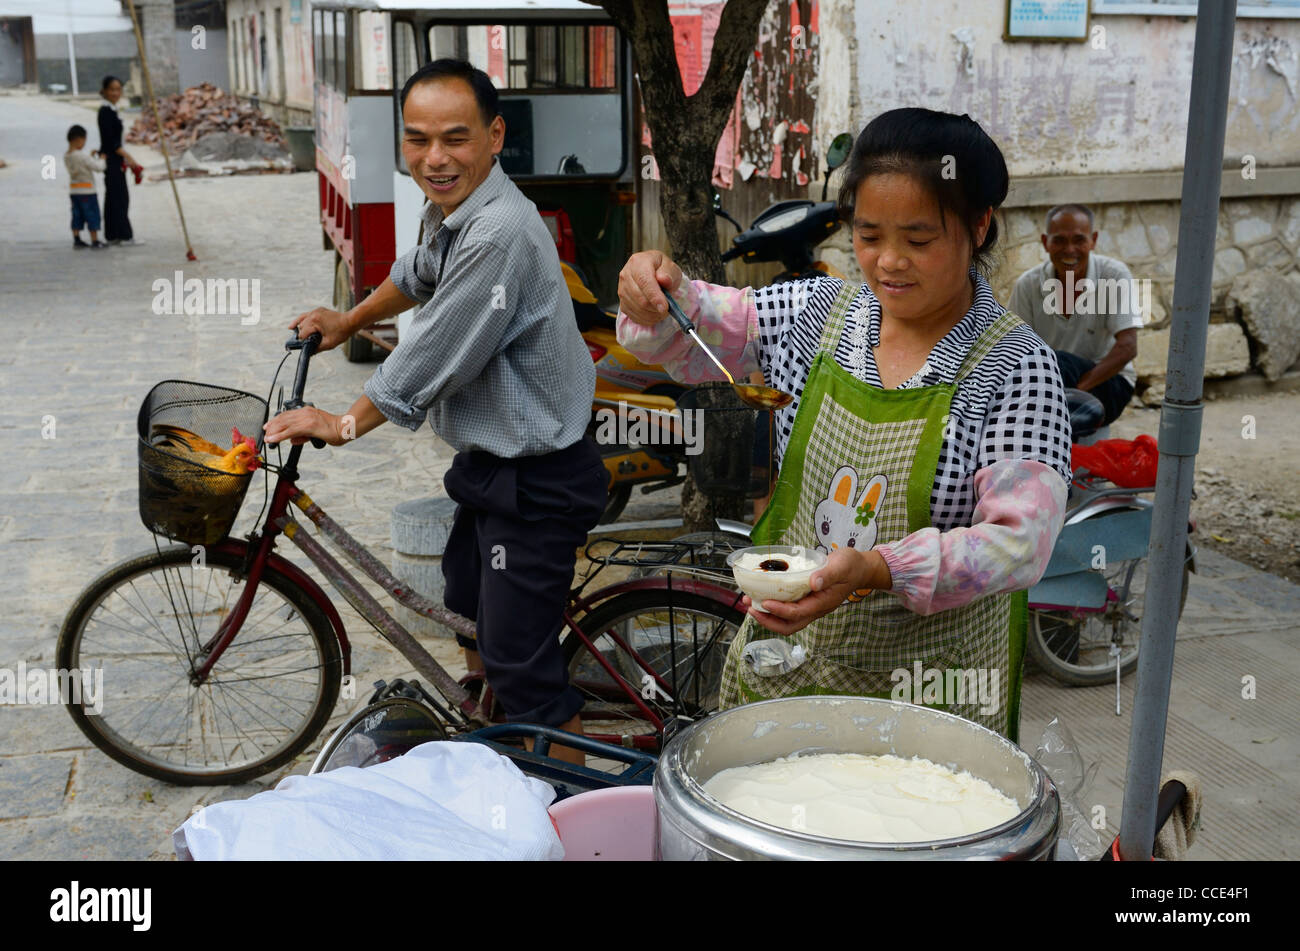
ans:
x=86 y=346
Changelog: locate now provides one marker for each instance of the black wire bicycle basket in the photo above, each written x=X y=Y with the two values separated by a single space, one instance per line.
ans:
x=184 y=493
x=735 y=456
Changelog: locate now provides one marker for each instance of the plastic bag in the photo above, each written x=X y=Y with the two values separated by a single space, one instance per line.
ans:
x=1129 y=463
x=774 y=656
x=441 y=801
x=1059 y=755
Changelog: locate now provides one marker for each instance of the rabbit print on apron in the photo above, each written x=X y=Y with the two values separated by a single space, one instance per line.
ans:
x=843 y=525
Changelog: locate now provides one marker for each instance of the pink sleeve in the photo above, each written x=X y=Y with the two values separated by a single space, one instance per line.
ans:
x=725 y=319
x=1019 y=513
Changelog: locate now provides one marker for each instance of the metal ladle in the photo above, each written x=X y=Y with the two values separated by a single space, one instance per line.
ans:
x=751 y=394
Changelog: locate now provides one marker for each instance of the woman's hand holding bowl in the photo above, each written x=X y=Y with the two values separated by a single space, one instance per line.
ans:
x=847 y=570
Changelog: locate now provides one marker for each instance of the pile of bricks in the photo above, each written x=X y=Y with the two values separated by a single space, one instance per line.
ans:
x=199 y=110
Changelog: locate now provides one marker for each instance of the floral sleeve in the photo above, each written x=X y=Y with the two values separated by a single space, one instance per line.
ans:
x=1019 y=510
x=724 y=318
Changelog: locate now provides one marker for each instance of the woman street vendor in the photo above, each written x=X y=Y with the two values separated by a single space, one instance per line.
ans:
x=927 y=449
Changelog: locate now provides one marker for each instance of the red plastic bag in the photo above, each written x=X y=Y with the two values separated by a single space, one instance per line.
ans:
x=1129 y=463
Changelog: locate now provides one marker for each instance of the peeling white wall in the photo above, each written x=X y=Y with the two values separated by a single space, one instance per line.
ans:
x=1068 y=108
x=835 y=92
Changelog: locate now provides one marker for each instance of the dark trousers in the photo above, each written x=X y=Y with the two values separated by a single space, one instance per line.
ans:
x=117 y=227
x=508 y=566
x=85 y=212
x=1114 y=393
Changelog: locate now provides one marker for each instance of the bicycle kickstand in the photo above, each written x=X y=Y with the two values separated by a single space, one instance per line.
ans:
x=1114 y=652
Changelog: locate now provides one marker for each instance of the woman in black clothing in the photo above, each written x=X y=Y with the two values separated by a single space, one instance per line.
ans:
x=117 y=227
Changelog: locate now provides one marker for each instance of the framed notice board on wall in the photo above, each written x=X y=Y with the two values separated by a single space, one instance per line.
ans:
x=1064 y=21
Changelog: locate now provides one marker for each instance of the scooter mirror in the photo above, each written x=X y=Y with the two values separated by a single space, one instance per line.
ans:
x=721 y=212
x=839 y=151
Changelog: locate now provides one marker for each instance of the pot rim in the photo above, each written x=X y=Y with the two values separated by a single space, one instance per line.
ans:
x=696 y=789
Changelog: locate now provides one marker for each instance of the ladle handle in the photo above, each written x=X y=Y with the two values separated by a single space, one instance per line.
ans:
x=678 y=315
x=689 y=329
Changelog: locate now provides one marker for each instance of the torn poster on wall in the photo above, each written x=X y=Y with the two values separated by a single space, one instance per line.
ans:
x=769 y=133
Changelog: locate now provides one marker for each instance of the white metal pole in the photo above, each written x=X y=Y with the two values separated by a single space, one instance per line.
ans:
x=72 y=51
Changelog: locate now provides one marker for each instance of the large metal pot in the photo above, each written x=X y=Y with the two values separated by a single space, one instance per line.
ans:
x=694 y=825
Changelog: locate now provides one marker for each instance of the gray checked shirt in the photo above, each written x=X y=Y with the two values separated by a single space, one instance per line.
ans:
x=493 y=358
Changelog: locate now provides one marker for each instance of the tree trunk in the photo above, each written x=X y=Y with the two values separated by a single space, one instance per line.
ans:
x=684 y=133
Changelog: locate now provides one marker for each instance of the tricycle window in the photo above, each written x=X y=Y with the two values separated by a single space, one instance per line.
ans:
x=561 y=95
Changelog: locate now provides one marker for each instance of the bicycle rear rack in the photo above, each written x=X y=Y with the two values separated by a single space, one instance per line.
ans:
x=656 y=554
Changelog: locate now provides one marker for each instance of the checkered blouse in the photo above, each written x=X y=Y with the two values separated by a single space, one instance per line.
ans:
x=1011 y=406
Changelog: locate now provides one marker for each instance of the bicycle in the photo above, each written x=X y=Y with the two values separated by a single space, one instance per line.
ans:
x=222 y=659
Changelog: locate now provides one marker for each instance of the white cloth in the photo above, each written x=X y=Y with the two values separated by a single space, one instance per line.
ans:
x=1176 y=836
x=441 y=801
x=1116 y=306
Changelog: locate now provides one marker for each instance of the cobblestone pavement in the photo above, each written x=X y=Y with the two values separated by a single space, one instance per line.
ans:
x=86 y=346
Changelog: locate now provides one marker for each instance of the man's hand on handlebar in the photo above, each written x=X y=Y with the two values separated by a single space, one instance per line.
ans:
x=334 y=327
x=642 y=284
x=299 y=425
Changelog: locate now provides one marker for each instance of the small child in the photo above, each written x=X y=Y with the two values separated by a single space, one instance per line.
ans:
x=85 y=203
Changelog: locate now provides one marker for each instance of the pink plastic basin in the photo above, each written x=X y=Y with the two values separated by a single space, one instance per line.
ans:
x=607 y=825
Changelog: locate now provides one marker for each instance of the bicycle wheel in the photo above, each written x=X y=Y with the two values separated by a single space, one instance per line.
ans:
x=615 y=503
x=1077 y=650
x=143 y=623
x=683 y=637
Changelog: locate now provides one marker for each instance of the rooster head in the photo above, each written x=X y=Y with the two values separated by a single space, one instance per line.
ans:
x=250 y=458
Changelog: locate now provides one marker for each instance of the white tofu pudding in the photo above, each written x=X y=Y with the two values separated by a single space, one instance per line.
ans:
x=775 y=572
x=863 y=798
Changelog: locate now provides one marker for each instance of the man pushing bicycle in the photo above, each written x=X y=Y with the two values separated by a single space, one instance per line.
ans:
x=495 y=362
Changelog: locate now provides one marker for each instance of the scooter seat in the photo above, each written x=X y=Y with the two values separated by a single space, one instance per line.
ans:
x=1103 y=433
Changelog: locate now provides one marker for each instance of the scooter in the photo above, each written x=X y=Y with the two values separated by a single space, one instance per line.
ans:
x=789 y=231
x=1085 y=613
x=634 y=417
x=634 y=399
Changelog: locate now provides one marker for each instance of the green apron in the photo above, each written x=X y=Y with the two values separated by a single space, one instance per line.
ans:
x=858 y=472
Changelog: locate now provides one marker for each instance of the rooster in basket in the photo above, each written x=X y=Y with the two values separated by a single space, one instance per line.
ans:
x=240 y=459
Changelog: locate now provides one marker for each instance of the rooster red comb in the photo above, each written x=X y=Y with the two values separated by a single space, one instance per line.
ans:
x=236 y=437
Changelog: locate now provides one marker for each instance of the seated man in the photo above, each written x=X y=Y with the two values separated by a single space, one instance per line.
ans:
x=1086 y=307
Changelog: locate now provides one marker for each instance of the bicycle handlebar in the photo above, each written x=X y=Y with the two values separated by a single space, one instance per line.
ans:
x=308 y=347
x=309 y=343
